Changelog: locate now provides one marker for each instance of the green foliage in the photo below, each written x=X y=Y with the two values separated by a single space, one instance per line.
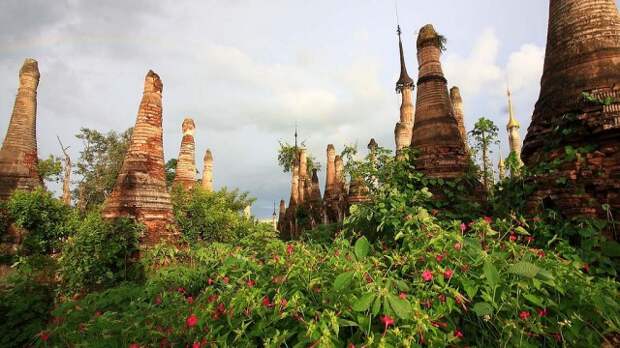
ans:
x=286 y=156
x=25 y=306
x=46 y=219
x=483 y=136
x=211 y=216
x=50 y=169
x=170 y=168
x=100 y=254
x=99 y=164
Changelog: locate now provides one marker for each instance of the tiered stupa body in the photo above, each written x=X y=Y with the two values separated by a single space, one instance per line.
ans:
x=436 y=134
x=330 y=196
x=404 y=127
x=207 y=172
x=186 y=164
x=140 y=189
x=459 y=112
x=582 y=55
x=512 y=128
x=18 y=155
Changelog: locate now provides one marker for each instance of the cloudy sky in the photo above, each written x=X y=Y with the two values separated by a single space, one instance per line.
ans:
x=247 y=70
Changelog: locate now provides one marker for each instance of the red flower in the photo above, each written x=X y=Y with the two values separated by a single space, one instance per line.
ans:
x=529 y=239
x=190 y=299
x=542 y=312
x=458 y=333
x=524 y=315
x=276 y=258
x=368 y=278
x=427 y=275
x=134 y=345
x=158 y=300
x=289 y=249
x=541 y=253
x=442 y=298
x=488 y=219
x=181 y=290
x=448 y=274
x=586 y=268
x=97 y=314
x=210 y=281
x=251 y=283
x=463 y=227
x=439 y=258
x=44 y=336
x=458 y=246
x=513 y=237
x=225 y=280
x=212 y=298
x=267 y=302
x=402 y=295
x=427 y=303
x=196 y=344
x=387 y=321
x=351 y=345
x=557 y=336
x=192 y=320
x=283 y=303
x=221 y=308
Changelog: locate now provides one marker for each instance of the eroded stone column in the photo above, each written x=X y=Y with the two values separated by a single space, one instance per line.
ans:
x=186 y=164
x=140 y=189
x=459 y=112
x=18 y=155
x=207 y=172
x=330 y=172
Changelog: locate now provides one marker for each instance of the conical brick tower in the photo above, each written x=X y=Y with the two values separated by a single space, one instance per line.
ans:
x=207 y=172
x=436 y=133
x=140 y=189
x=18 y=155
x=582 y=56
x=459 y=112
x=185 y=174
x=404 y=86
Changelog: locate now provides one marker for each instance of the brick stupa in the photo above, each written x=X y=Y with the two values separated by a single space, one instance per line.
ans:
x=185 y=174
x=459 y=112
x=404 y=86
x=436 y=134
x=582 y=55
x=140 y=189
x=207 y=171
x=18 y=155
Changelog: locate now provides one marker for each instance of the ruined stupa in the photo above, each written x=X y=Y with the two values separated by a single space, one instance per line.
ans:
x=18 y=155
x=436 y=133
x=582 y=56
x=404 y=128
x=459 y=112
x=513 y=126
x=140 y=189
x=185 y=174
x=207 y=171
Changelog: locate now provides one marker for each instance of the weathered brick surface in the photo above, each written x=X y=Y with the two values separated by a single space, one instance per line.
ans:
x=459 y=112
x=140 y=189
x=185 y=174
x=582 y=55
x=436 y=134
x=404 y=127
x=18 y=155
x=207 y=171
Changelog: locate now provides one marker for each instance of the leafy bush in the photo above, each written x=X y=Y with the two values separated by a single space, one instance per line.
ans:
x=25 y=307
x=100 y=253
x=46 y=219
x=210 y=216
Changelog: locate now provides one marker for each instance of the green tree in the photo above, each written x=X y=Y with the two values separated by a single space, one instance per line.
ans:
x=483 y=136
x=171 y=169
x=50 y=169
x=99 y=163
x=286 y=155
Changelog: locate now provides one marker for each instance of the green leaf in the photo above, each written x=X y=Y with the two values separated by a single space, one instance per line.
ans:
x=611 y=249
x=343 y=280
x=376 y=306
x=362 y=247
x=401 y=307
x=522 y=231
x=524 y=269
x=491 y=274
x=534 y=299
x=363 y=303
x=482 y=309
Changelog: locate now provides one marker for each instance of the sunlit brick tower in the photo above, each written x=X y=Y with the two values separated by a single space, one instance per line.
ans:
x=185 y=174
x=140 y=190
x=404 y=86
x=207 y=171
x=459 y=112
x=18 y=155
x=303 y=174
x=436 y=133
x=330 y=196
x=582 y=56
x=512 y=128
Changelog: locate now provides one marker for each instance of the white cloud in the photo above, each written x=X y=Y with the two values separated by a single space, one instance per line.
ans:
x=525 y=67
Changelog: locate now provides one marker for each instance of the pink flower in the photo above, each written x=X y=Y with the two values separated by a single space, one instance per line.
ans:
x=190 y=300
x=387 y=322
x=542 y=312
x=44 y=336
x=267 y=302
x=524 y=315
x=212 y=298
x=427 y=275
x=276 y=258
x=458 y=246
x=448 y=274
x=488 y=219
x=463 y=227
x=134 y=345
x=541 y=253
x=402 y=296
x=181 y=290
x=192 y=320
x=442 y=298
x=529 y=239
x=289 y=249
x=196 y=344
x=351 y=345
x=458 y=333
x=250 y=283
x=225 y=280
x=210 y=281
x=283 y=303
x=439 y=258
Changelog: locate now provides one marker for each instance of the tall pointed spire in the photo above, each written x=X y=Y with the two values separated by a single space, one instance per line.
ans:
x=140 y=190
x=186 y=165
x=459 y=112
x=514 y=139
x=207 y=171
x=18 y=155
x=501 y=166
x=404 y=127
